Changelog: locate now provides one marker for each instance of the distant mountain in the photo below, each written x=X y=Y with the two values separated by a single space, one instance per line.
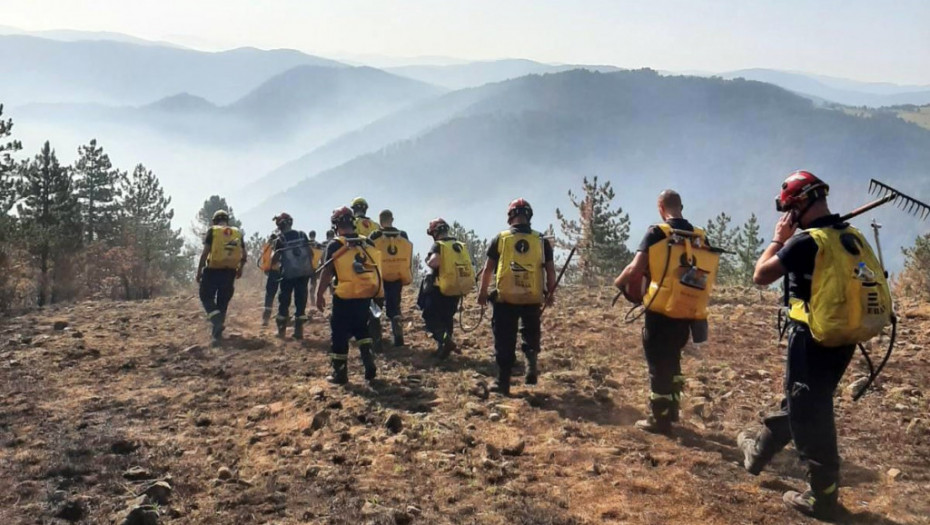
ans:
x=472 y=74
x=231 y=145
x=840 y=91
x=724 y=144
x=71 y=35
x=39 y=70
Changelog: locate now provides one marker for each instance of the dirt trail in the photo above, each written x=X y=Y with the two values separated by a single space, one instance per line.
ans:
x=128 y=385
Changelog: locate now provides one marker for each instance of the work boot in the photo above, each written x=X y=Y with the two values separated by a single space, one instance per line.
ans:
x=340 y=375
x=444 y=346
x=397 y=329
x=281 y=321
x=216 y=325
x=660 y=420
x=368 y=360
x=825 y=507
x=299 y=327
x=266 y=316
x=755 y=456
x=532 y=371
x=502 y=384
x=374 y=326
x=654 y=426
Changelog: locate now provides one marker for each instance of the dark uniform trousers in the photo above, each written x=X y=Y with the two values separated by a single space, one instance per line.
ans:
x=216 y=289
x=439 y=313
x=806 y=414
x=349 y=320
x=271 y=287
x=663 y=340
x=299 y=289
x=507 y=320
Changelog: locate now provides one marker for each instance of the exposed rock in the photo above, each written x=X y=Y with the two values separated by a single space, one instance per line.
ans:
x=224 y=473
x=474 y=409
x=123 y=447
x=893 y=474
x=159 y=492
x=494 y=417
x=137 y=474
x=258 y=413
x=602 y=394
x=71 y=510
x=394 y=423
x=515 y=449
x=60 y=325
x=492 y=452
x=140 y=515
x=312 y=471
x=319 y=421
x=480 y=390
x=203 y=421
x=853 y=388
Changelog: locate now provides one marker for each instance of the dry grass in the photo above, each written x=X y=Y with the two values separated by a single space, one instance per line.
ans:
x=66 y=401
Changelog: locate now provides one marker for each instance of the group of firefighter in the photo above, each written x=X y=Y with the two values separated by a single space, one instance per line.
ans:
x=836 y=296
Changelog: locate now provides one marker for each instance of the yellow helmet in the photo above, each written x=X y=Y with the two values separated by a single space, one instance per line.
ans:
x=360 y=203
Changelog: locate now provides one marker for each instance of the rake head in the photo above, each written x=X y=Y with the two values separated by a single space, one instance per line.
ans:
x=903 y=201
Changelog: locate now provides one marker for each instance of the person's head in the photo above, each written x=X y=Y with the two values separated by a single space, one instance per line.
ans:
x=519 y=212
x=221 y=218
x=437 y=228
x=670 y=206
x=284 y=221
x=330 y=234
x=803 y=195
x=312 y=235
x=343 y=221
x=359 y=206
x=386 y=218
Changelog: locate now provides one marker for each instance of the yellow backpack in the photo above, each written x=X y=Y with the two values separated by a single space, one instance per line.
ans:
x=456 y=272
x=850 y=300
x=520 y=269
x=317 y=255
x=396 y=255
x=265 y=263
x=365 y=226
x=225 y=248
x=357 y=268
x=683 y=270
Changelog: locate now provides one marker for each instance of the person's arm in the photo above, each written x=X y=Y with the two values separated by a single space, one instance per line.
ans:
x=550 y=282
x=433 y=261
x=325 y=279
x=203 y=262
x=769 y=267
x=637 y=266
x=486 y=274
x=242 y=262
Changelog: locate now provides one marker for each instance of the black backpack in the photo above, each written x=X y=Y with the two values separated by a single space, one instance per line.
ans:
x=296 y=255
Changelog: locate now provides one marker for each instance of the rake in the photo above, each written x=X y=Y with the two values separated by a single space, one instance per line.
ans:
x=910 y=205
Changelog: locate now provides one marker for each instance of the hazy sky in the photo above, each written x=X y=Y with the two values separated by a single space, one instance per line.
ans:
x=859 y=39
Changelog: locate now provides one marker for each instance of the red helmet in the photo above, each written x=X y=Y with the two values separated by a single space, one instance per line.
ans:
x=437 y=225
x=519 y=207
x=342 y=216
x=283 y=218
x=798 y=188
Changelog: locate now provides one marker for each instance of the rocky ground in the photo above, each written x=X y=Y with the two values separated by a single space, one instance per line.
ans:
x=122 y=413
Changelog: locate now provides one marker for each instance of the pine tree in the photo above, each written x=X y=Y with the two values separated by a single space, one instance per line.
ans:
x=146 y=226
x=7 y=166
x=96 y=182
x=748 y=249
x=50 y=216
x=7 y=201
x=477 y=247
x=600 y=233
x=720 y=235
x=205 y=215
